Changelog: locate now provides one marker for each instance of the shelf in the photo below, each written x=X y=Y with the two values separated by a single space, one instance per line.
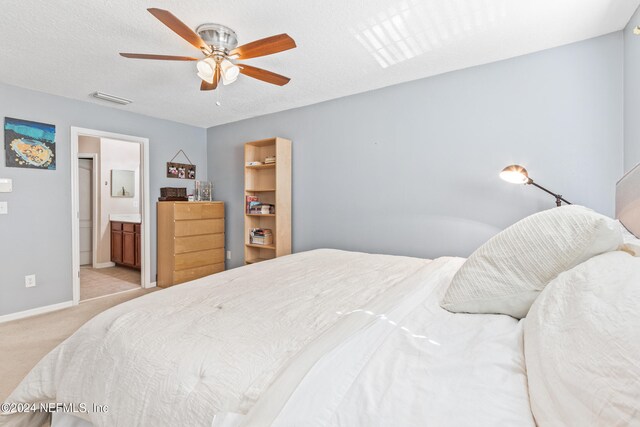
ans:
x=255 y=260
x=268 y=184
x=251 y=245
x=263 y=166
x=263 y=143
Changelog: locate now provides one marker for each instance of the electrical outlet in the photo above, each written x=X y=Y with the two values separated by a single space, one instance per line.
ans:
x=228 y=254
x=30 y=281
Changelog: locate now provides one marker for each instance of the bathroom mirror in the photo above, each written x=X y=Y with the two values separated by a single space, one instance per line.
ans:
x=122 y=183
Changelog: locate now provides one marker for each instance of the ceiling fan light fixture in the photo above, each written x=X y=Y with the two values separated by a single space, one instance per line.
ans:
x=206 y=69
x=230 y=72
x=219 y=44
x=207 y=78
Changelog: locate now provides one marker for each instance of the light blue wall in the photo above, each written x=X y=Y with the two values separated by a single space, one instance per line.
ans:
x=410 y=169
x=35 y=238
x=413 y=169
x=631 y=94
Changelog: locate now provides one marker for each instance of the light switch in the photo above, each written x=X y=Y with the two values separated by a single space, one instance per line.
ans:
x=6 y=185
x=4 y=208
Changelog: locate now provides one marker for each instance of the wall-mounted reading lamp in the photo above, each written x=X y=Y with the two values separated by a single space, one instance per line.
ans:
x=516 y=174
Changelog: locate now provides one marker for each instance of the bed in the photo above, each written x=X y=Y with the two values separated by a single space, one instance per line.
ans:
x=320 y=338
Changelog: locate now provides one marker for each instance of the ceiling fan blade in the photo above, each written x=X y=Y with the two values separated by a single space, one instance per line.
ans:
x=262 y=47
x=207 y=86
x=180 y=28
x=211 y=86
x=159 y=57
x=264 y=75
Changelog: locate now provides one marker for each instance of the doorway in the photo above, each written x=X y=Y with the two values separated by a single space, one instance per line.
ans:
x=110 y=187
x=86 y=199
x=103 y=271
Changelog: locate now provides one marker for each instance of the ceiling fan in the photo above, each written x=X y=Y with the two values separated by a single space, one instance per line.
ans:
x=219 y=44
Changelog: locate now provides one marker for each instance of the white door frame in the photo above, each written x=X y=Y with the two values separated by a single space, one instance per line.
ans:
x=76 y=132
x=94 y=205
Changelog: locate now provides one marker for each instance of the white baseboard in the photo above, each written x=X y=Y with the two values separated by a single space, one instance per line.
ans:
x=35 y=311
x=104 y=265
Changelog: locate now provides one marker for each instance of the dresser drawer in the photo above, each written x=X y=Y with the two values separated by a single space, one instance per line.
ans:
x=128 y=227
x=196 y=273
x=199 y=243
x=198 y=211
x=200 y=226
x=214 y=210
x=198 y=259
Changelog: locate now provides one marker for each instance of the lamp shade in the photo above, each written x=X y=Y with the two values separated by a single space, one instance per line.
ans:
x=515 y=174
x=230 y=72
x=206 y=68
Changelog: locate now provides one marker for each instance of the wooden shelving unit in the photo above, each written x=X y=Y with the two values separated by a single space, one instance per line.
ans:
x=272 y=184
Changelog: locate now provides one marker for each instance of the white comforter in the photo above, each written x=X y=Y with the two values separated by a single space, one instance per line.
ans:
x=296 y=341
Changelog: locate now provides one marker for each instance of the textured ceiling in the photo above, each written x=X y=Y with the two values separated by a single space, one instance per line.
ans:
x=70 y=47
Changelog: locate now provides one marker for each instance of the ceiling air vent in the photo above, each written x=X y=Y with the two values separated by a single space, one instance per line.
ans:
x=111 y=98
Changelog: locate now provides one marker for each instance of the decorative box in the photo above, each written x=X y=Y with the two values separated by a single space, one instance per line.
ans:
x=173 y=194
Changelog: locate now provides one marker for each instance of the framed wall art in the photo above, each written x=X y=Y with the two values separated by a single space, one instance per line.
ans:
x=29 y=144
x=181 y=170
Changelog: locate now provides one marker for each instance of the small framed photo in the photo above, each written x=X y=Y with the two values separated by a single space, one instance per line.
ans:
x=181 y=170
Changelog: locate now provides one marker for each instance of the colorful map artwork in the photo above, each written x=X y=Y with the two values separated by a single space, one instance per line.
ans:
x=29 y=144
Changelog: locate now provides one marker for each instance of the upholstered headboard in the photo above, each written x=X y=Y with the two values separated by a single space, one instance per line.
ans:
x=628 y=200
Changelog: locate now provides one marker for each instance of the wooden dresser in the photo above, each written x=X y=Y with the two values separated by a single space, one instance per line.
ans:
x=190 y=241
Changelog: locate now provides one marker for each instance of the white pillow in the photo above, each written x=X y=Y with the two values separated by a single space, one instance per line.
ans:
x=582 y=343
x=505 y=275
x=631 y=242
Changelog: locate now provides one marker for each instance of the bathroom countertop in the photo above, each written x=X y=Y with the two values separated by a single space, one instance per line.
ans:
x=134 y=218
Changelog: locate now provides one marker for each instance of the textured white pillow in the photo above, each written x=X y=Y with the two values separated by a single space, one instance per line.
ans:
x=582 y=343
x=505 y=275
x=631 y=242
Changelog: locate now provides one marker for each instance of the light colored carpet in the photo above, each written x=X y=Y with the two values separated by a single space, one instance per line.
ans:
x=98 y=282
x=24 y=342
